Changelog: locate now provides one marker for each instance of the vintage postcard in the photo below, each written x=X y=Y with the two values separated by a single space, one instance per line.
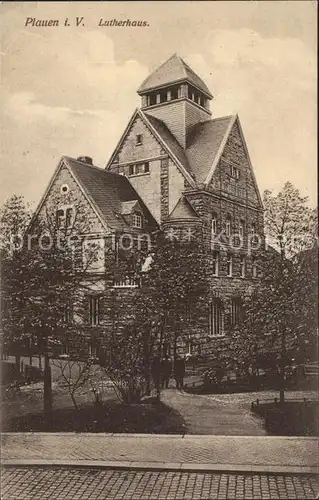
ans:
x=159 y=334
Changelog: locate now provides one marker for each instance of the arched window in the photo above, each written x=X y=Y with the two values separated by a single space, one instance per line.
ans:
x=216 y=318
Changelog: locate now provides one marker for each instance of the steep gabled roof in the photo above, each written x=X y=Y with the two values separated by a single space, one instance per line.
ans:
x=183 y=210
x=107 y=191
x=205 y=143
x=169 y=140
x=172 y=71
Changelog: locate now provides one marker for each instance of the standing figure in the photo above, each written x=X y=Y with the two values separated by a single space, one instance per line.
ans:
x=179 y=372
x=156 y=374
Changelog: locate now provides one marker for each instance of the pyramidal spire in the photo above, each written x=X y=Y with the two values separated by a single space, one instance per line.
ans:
x=174 y=70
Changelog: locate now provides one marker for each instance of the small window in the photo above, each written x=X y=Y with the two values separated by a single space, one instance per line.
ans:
x=253 y=230
x=229 y=265
x=152 y=99
x=234 y=172
x=242 y=266
x=94 y=304
x=139 y=139
x=69 y=217
x=60 y=218
x=174 y=93
x=92 y=350
x=228 y=226
x=214 y=224
x=131 y=170
x=68 y=315
x=241 y=228
x=215 y=263
x=146 y=167
x=65 y=188
x=254 y=267
x=137 y=220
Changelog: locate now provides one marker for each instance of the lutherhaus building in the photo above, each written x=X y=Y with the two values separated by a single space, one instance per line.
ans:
x=176 y=167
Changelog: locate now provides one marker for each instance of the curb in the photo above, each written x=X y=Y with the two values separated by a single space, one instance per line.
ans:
x=164 y=466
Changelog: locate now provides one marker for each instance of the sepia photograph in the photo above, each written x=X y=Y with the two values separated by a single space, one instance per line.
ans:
x=158 y=250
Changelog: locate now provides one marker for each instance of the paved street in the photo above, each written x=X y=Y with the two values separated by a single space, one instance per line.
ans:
x=32 y=483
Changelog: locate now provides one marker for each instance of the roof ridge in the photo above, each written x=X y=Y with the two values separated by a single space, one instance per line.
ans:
x=100 y=169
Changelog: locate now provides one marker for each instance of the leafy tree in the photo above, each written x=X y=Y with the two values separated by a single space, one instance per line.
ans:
x=44 y=284
x=277 y=320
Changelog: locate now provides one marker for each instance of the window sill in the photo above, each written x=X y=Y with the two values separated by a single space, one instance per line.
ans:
x=125 y=286
x=138 y=175
x=222 y=336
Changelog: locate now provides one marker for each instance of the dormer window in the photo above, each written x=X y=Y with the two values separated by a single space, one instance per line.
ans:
x=137 y=220
x=139 y=140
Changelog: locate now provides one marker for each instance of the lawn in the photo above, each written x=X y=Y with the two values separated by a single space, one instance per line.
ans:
x=23 y=411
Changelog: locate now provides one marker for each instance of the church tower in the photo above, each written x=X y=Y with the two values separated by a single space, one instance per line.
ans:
x=177 y=96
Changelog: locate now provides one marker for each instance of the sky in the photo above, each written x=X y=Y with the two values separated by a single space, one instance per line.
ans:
x=70 y=90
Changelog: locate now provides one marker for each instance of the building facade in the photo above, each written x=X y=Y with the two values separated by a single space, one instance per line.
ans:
x=178 y=169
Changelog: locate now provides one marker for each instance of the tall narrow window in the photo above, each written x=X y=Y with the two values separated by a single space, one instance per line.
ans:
x=216 y=318
x=229 y=265
x=228 y=226
x=69 y=217
x=254 y=267
x=242 y=266
x=137 y=220
x=146 y=167
x=59 y=218
x=241 y=228
x=215 y=263
x=236 y=311
x=253 y=230
x=68 y=314
x=139 y=139
x=94 y=310
x=214 y=224
x=92 y=350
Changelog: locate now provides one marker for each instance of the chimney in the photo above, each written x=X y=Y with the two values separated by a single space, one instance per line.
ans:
x=85 y=159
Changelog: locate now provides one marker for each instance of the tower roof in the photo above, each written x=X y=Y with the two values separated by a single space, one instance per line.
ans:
x=172 y=71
